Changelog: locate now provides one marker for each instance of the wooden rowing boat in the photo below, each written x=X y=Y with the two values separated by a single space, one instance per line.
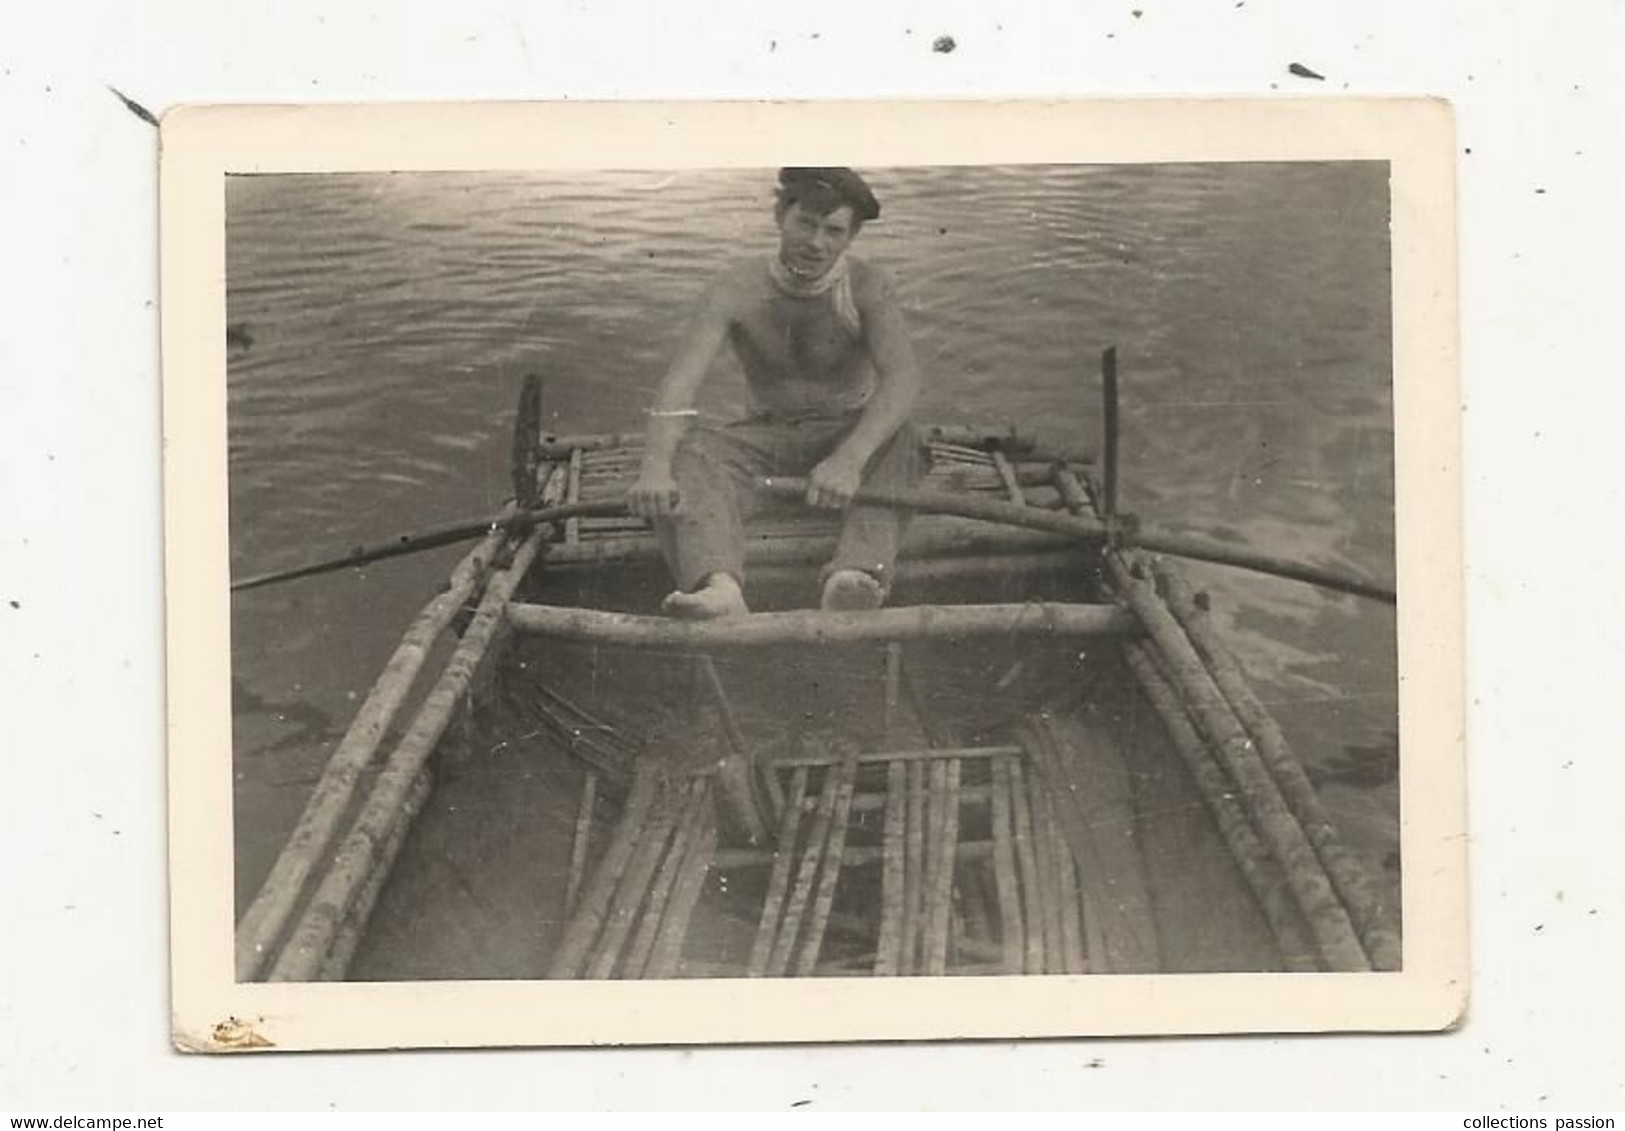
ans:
x=1041 y=759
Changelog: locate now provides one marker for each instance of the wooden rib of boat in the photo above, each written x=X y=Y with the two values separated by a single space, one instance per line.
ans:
x=1040 y=759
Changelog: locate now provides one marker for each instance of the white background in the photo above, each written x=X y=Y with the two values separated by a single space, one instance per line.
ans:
x=83 y=949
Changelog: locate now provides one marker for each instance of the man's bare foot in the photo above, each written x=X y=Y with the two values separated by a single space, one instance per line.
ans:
x=720 y=596
x=852 y=590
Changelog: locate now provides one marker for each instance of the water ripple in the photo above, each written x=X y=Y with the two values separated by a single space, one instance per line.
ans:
x=392 y=316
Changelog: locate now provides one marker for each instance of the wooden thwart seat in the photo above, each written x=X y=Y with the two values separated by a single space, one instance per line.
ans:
x=812 y=626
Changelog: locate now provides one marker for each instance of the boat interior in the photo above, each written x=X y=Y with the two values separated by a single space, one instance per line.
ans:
x=992 y=795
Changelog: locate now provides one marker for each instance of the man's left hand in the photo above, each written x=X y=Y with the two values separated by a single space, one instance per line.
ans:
x=834 y=482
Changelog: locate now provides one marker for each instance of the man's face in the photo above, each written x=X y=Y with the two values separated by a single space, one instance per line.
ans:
x=810 y=244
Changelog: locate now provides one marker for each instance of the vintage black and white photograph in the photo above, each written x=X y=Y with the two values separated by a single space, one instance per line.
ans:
x=929 y=570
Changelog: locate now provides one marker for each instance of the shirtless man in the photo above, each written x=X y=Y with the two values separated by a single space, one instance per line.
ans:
x=831 y=377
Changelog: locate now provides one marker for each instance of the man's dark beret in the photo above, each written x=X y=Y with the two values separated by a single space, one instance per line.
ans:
x=844 y=183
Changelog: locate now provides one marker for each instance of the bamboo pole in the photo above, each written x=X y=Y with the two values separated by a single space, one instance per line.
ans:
x=668 y=948
x=936 y=777
x=941 y=902
x=767 y=928
x=313 y=933
x=1353 y=884
x=817 y=836
x=633 y=890
x=354 y=927
x=969 y=442
x=888 y=953
x=1049 y=879
x=1033 y=959
x=262 y=924
x=1007 y=476
x=1328 y=918
x=268 y=916
x=960 y=503
x=913 y=865
x=811 y=626
x=961 y=460
x=584 y=925
x=830 y=870
x=1258 y=866
x=1007 y=886
x=671 y=863
x=579 y=843
x=935 y=780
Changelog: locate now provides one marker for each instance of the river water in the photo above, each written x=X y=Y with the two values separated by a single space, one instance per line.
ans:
x=381 y=324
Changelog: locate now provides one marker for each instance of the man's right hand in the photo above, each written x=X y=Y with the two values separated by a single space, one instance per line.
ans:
x=654 y=495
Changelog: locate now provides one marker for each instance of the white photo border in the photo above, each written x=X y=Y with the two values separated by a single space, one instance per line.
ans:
x=200 y=146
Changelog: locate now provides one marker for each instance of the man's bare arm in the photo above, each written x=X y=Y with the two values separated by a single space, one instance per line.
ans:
x=834 y=482
x=655 y=492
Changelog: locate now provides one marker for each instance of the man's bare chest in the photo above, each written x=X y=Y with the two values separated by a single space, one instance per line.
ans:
x=803 y=336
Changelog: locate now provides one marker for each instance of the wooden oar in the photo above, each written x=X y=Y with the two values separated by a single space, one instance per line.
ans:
x=934 y=502
x=1034 y=518
x=433 y=538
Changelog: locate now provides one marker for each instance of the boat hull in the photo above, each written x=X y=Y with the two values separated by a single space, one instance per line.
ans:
x=1030 y=763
